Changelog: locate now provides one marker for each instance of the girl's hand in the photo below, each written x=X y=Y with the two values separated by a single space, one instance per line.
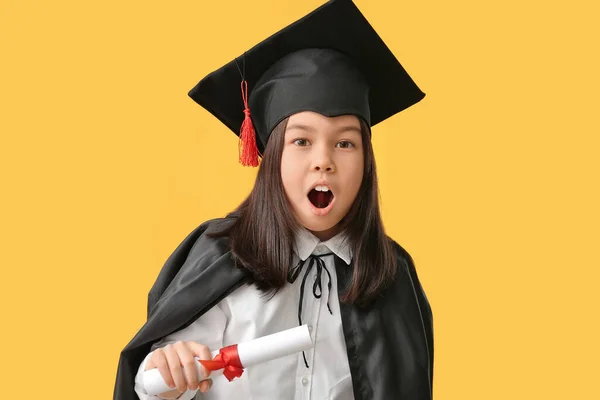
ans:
x=175 y=362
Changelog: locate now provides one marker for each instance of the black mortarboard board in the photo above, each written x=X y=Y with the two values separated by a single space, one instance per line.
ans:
x=331 y=61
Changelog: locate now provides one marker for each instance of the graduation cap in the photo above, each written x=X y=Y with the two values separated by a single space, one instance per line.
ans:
x=331 y=62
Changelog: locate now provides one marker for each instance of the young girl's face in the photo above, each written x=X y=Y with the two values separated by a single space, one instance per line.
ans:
x=322 y=169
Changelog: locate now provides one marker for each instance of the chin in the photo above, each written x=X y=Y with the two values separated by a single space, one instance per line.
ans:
x=319 y=226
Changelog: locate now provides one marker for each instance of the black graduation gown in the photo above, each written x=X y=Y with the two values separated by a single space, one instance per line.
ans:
x=389 y=344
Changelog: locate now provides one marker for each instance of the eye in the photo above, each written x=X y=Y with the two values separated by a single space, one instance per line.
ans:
x=300 y=142
x=345 y=144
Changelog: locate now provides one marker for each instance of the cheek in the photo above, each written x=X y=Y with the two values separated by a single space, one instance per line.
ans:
x=355 y=168
x=290 y=176
x=354 y=183
x=358 y=174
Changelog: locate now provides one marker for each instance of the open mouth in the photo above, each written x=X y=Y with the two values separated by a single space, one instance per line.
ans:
x=320 y=196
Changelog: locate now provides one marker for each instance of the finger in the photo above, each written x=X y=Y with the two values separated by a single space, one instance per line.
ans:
x=203 y=353
x=160 y=360
x=175 y=368
x=205 y=385
x=186 y=358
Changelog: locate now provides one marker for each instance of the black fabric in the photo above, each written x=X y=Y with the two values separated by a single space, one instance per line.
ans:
x=320 y=80
x=331 y=61
x=389 y=344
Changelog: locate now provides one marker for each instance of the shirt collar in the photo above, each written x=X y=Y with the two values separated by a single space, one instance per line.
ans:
x=306 y=244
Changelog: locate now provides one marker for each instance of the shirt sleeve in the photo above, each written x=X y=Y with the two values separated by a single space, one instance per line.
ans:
x=207 y=330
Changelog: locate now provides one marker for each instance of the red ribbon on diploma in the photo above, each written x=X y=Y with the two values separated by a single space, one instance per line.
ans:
x=228 y=359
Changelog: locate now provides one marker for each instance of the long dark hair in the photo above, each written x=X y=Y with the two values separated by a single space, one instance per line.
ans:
x=262 y=237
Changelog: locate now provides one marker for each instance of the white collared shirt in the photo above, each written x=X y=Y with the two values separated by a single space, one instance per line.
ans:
x=247 y=314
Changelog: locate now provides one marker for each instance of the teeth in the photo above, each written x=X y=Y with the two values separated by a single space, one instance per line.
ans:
x=322 y=188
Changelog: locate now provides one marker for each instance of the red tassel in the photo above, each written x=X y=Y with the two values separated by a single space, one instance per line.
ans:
x=247 y=148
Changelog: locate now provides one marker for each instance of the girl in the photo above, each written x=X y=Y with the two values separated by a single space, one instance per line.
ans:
x=307 y=246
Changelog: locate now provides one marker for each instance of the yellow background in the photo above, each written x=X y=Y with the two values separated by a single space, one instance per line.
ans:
x=491 y=182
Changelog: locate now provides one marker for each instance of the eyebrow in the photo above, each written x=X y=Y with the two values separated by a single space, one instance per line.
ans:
x=310 y=128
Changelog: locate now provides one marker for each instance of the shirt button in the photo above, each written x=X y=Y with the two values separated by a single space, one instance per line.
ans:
x=304 y=381
x=310 y=328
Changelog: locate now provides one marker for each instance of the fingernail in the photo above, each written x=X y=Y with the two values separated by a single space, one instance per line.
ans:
x=207 y=385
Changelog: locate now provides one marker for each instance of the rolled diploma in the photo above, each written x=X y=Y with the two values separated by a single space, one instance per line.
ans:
x=254 y=352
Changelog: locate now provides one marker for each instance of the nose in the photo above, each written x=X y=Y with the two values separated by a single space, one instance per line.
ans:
x=322 y=161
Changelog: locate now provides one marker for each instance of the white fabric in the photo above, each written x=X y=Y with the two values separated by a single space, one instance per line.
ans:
x=247 y=314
